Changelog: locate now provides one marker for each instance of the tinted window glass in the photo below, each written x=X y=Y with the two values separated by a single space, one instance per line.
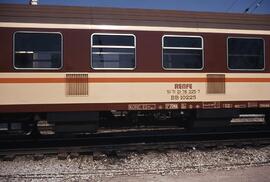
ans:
x=112 y=57
x=194 y=42
x=182 y=58
x=182 y=53
x=245 y=53
x=113 y=40
x=37 y=50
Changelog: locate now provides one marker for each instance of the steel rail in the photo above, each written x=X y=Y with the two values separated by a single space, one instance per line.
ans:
x=133 y=141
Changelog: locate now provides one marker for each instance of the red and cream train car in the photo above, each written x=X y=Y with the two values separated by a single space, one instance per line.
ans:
x=65 y=64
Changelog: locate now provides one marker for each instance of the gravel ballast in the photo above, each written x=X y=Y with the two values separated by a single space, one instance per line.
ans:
x=168 y=162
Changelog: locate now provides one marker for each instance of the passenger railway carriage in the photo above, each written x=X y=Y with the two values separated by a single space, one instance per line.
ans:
x=74 y=67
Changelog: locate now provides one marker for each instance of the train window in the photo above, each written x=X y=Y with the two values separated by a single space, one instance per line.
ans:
x=182 y=52
x=245 y=53
x=113 y=51
x=37 y=50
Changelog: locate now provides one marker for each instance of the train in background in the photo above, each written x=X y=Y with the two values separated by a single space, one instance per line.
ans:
x=75 y=68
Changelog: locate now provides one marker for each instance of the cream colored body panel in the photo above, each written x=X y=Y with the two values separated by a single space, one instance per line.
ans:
x=130 y=92
x=132 y=28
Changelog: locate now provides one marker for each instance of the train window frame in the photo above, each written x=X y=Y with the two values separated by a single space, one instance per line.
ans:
x=182 y=48
x=227 y=51
x=41 y=32
x=111 y=46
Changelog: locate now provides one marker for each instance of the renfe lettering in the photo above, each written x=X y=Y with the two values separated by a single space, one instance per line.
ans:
x=182 y=86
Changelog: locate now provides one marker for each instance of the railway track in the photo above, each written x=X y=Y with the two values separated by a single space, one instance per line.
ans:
x=139 y=140
x=135 y=171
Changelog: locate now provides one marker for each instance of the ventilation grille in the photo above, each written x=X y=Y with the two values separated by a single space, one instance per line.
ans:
x=216 y=84
x=77 y=84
